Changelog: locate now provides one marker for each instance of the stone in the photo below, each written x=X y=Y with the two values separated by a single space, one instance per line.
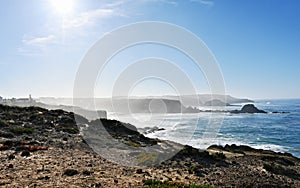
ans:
x=70 y=172
x=248 y=108
x=25 y=153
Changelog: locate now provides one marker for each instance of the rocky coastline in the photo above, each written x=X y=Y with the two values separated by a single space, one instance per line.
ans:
x=44 y=148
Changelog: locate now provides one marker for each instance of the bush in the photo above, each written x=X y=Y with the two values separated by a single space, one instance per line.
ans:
x=147 y=158
x=218 y=156
x=21 y=130
x=6 y=134
x=133 y=144
x=25 y=153
x=87 y=173
x=152 y=182
x=170 y=184
x=70 y=172
x=194 y=169
x=277 y=169
x=3 y=124
x=70 y=130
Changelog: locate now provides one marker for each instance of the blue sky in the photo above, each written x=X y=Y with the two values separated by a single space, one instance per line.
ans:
x=256 y=43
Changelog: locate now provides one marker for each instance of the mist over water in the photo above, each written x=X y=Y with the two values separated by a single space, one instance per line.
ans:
x=278 y=132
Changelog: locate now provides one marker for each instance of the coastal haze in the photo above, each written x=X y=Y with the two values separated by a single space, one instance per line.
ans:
x=171 y=118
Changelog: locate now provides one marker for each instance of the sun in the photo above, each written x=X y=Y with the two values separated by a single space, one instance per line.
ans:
x=62 y=6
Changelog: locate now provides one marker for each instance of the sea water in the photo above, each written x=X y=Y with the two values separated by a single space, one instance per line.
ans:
x=275 y=131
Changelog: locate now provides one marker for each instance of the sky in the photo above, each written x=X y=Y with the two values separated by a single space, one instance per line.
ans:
x=255 y=42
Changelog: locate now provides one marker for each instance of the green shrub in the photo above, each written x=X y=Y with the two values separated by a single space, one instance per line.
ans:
x=193 y=169
x=3 y=123
x=133 y=144
x=87 y=173
x=70 y=172
x=268 y=167
x=6 y=134
x=219 y=156
x=21 y=130
x=70 y=130
x=153 y=183
x=280 y=170
x=147 y=158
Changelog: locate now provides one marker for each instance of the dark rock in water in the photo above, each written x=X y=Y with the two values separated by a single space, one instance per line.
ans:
x=148 y=130
x=276 y=112
x=190 y=109
x=248 y=108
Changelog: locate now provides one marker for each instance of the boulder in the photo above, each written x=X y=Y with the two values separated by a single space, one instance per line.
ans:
x=248 y=108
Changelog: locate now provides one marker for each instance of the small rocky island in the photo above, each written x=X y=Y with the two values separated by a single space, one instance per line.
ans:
x=44 y=148
x=248 y=108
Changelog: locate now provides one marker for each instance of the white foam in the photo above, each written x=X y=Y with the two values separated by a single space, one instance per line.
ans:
x=273 y=147
x=180 y=128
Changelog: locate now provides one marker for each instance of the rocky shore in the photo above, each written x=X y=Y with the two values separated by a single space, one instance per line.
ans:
x=44 y=148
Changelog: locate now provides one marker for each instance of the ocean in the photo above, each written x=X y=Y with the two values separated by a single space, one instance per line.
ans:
x=275 y=131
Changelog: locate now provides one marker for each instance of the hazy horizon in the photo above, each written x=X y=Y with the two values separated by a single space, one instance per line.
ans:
x=142 y=96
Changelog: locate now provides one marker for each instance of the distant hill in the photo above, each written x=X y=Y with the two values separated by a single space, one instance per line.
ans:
x=154 y=104
x=216 y=102
x=201 y=99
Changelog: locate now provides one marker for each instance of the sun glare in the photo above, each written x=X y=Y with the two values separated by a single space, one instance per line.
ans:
x=63 y=6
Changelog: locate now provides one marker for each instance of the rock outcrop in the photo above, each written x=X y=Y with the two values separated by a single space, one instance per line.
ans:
x=248 y=108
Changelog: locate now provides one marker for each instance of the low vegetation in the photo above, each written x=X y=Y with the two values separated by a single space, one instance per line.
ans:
x=219 y=156
x=147 y=158
x=153 y=183
x=22 y=130
x=70 y=172
x=280 y=170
